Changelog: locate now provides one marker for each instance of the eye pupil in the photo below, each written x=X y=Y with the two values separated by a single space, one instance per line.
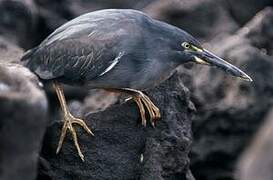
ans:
x=186 y=45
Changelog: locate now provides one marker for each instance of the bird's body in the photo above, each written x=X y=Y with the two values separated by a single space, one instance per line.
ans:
x=116 y=50
x=98 y=48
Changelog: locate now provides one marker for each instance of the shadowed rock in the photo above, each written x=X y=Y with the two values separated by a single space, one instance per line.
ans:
x=18 y=20
x=230 y=110
x=22 y=123
x=204 y=19
x=23 y=116
x=9 y=52
x=55 y=13
x=122 y=148
x=257 y=161
x=243 y=10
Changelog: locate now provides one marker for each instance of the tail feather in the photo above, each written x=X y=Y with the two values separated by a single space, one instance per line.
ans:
x=28 y=56
x=32 y=60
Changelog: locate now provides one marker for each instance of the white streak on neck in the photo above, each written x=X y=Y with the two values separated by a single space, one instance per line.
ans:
x=113 y=64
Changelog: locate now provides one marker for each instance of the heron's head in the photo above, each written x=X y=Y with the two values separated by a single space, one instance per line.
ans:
x=190 y=50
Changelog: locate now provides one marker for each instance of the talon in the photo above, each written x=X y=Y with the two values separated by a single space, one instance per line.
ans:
x=153 y=124
x=142 y=100
x=141 y=110
x=128 y=99
x=63 y=132
x=152 y=109
x=81 y=123
x=68 y=124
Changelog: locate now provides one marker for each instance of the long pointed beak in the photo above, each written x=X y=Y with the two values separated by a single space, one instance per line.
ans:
x=208 y=58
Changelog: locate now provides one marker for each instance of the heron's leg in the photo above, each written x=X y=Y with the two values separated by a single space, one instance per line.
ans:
x=142 y=101
x=69 y=120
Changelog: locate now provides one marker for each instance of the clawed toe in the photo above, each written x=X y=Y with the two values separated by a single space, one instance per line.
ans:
x=69 y=120
x=144 y=101
x=81 y=123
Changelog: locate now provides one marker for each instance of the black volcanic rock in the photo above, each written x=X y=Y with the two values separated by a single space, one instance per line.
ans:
x=120 y=142
x=9 y=52
x=23 y=116
x=230 y=110
x=242 y=11
x=54 y=13
x=204 y=19
x=22 y=123
x=257 y=160
x=18 y=21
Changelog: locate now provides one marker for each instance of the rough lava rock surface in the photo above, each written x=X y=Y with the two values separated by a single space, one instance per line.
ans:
x=23 y=115
x=10 y=53
x=230 y=110
x=257 y=160
x=195 y=16
x=120 y=142
x=18 y=22
x=22 y=123
x=242 y=11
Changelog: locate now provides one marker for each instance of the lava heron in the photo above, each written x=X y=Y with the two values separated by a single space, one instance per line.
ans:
x=117 y=50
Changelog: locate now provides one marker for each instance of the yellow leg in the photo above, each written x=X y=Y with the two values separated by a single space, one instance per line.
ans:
x=69 y=120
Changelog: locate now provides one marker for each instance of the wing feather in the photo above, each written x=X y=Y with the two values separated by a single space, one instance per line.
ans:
x=83 y=48
x=71 y=59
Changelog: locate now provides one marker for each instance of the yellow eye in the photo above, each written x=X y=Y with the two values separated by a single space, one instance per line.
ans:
x=186 y=45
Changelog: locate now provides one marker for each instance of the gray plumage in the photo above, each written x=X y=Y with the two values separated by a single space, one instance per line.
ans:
x=81 y=50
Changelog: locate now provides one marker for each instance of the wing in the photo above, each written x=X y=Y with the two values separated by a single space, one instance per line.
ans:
x=73 y=60
x=85 y=47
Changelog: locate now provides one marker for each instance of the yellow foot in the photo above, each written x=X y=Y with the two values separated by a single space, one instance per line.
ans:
x=144 y=101
x=69 y=120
